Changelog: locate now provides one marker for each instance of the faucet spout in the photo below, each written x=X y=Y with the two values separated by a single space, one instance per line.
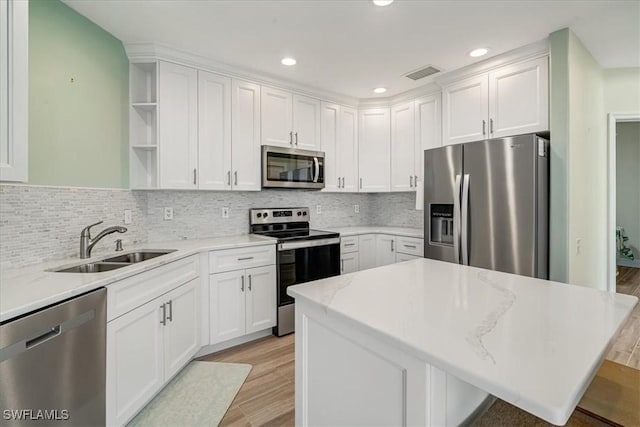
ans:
x=87 y=243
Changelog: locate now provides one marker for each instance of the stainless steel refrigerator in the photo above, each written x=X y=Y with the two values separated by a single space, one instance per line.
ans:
x=486 y=204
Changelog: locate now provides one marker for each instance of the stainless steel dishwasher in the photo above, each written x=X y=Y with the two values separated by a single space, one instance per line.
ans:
x=52 y=365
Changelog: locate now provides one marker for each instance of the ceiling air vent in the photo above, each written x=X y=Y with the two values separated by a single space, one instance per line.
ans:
x=422 y=72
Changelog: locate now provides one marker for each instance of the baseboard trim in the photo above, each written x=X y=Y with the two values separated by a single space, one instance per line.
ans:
x=209 y=349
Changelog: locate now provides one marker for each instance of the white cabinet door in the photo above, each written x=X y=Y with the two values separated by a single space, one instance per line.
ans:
x=348 y=149
x=465 y=110
x=519 y=99
x=306 y=122
x=261 y=298
x=245 y=137
x=178 y=126
x=181 y=339
x=367 y=244
x=226 y=306
x=277 y=117
x=135 y=365
x=428 y=129
x=385 y=250
x=374 y=150
x=402 y=147
x=329 y=144
x=349 y=263
x=214 y=131
x=14 y=90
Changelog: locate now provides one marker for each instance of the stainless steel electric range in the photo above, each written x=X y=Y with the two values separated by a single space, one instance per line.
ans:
x=303 y=254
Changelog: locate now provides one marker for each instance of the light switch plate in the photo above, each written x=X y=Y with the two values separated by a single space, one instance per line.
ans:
x=225 y=212
x=168 y=214
x=128 y=219
x=356 y=208
x=318 y=209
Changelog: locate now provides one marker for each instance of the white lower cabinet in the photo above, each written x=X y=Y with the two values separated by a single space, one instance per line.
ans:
x=242 y=302
x=146 y=347
x=349 y=263
x=385 y=250
x=367 y=244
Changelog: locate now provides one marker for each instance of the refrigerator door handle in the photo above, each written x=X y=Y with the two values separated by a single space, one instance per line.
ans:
x=465 y=220
x=456 y=220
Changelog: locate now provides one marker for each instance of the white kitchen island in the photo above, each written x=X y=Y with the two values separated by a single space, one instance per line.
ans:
x=430 y=343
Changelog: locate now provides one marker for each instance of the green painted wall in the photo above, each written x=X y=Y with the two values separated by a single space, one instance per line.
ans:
x=78 y=100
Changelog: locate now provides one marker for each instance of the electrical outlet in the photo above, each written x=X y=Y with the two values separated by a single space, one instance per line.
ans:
x=168 y=214
x=356 y=208
x=225 y=212
x=318 y=209
x=127 y=216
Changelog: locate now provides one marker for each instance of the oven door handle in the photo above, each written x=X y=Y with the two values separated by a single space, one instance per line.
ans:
x=308 y=243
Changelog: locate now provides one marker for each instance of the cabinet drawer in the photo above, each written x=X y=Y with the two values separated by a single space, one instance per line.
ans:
x=410 y=246
x=237 y=259
x=405 y=257
x=127 y=294
x=348 y=244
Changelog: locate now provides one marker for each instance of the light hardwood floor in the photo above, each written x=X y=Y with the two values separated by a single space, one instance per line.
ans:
x=626 y=346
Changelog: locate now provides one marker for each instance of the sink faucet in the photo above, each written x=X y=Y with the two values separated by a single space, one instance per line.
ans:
x=87 y=243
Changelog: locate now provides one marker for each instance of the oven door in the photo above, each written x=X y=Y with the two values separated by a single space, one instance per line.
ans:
x=292 y=168
x=298 y=264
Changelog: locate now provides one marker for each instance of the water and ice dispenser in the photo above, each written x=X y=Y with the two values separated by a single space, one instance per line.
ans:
x=441 y=224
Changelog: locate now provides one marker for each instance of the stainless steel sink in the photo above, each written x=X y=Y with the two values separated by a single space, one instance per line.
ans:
x=115 y=262
x=94 y=267
x=135 y=257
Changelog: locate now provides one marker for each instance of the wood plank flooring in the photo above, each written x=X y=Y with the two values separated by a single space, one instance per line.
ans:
x=626 y=347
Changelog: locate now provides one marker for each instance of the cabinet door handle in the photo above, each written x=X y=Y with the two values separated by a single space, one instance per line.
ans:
x=164 y=314
x=242 y=284
x=338 y=182
x=249 y=282
x=228 y=177
x=491 y=126
x=484 y=126
x=410 y=181
x=296 y=138
x=235 y=178
x=415 y=181
x=361 y=183
x=170 y=316
x=194 y=176
x=291 y=137
x=392 y=246
x=342 y=266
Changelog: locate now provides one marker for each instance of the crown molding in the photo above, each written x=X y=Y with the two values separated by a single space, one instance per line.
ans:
x=151 y=51
x=520 y=54
x=409 y=95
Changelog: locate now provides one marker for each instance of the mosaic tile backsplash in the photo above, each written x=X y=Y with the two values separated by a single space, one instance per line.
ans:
x=40 y=223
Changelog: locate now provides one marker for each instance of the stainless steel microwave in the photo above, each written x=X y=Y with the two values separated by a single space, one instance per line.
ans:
x=284 y=167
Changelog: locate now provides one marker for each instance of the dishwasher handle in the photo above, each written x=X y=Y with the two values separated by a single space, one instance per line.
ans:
x=49 y=334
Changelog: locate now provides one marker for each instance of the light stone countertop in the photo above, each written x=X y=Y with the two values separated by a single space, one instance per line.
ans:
x=27 y=289
x=396 y=231
x=533 y=343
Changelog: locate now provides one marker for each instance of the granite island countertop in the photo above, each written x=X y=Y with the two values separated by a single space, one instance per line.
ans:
x=30 y=288
x=534 y=343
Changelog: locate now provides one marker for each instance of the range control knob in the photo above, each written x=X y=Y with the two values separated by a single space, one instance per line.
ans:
x=304 y=213
x=299 y=213
x=266 y=214
x=259 y=215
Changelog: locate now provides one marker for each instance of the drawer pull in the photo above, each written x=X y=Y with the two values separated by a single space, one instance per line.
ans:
x=411 y=246
x=349 y=244
x=245 y=258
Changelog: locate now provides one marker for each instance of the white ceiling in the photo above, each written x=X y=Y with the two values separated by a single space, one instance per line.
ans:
x=352 y=46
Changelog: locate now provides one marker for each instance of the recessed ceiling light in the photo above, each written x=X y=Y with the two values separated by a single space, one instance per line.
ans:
x=380 y=90
x=478 y=52
x=382 y=2
x=288 y=61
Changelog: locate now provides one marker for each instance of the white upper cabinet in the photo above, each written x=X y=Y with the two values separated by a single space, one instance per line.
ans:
x=245 y=118
x=374 y=148
x=290 y=120
x=214 y=131
x=519 y=98
x=402 y=147
x=14 y=90
x=340 y=144
x=277 y=117
x=306 y=122
x=510 y=100
x=465 y=110
x=177 y=124
x=427 y=129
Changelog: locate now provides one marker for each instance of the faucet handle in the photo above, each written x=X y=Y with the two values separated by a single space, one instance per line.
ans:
x=119 y=245
x=85 y=231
